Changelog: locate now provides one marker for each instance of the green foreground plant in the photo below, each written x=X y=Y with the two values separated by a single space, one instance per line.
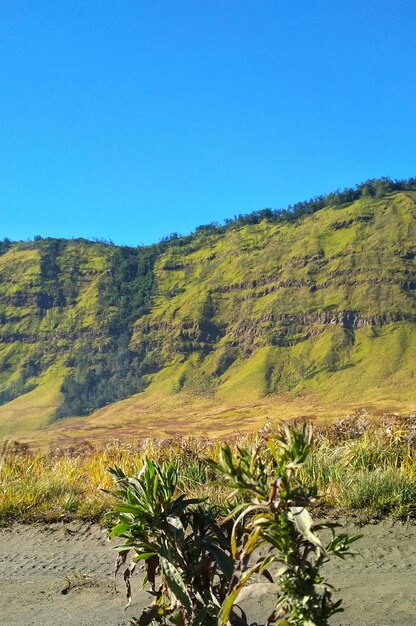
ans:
x=198 y=557
x=179 y=540
x=275 y=516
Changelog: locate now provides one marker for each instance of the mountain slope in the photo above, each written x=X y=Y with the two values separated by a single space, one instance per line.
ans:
x=319 y=307
x=272 y=308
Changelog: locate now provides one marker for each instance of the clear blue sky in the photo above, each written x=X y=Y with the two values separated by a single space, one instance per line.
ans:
x=131 y=119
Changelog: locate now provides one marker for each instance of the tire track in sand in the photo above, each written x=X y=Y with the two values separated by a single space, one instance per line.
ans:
x=62 y=574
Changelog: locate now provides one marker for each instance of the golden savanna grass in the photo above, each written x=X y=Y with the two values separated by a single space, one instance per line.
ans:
x=361 y=466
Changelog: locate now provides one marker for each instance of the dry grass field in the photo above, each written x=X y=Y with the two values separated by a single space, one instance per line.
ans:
x=363 y=466
x=157 y=414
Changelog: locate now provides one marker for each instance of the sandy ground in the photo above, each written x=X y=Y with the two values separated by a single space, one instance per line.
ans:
x=62 y=575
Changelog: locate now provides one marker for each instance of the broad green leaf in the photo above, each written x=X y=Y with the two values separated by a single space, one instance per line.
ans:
x=175 y=583
x=129 y=508
x=143 y=556
x=224 y=561
x=119 y=529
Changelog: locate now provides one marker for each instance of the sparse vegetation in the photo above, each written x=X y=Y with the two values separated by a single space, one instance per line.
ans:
x=362 y=467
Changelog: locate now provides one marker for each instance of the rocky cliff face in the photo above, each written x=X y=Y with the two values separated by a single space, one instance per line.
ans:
x=324 y=302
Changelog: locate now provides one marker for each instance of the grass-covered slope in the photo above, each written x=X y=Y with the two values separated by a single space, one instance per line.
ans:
x=315 y=306
x=323 y=304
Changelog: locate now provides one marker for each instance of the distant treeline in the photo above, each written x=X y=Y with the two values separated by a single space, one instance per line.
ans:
x=374 y=188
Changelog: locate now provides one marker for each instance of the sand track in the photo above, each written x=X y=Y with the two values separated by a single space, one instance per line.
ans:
x=62 y=575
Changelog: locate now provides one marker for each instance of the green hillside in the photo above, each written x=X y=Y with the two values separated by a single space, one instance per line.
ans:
x=319 y=299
